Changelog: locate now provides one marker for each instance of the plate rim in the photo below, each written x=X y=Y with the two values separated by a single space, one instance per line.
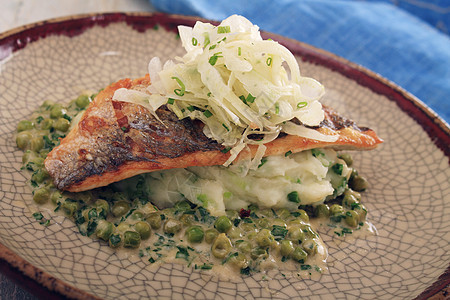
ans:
x=41 y=283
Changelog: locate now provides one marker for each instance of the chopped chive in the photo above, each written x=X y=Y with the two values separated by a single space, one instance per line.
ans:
x=213 y=59
x=170 y=101
x=302 y=104
x=269 y=61
x=288 y=153
x=207 y=113
x=179 y=92
x=243 y=99
x=239 y=51
x=226 y=127
x=194 y=41
x=225 y=150
x=223 y=29
x=250 y=98
x=212 y=47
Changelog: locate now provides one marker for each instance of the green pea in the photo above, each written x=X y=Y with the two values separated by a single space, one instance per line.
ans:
x=247 y=227
x=182 y=206
x=361 y=210
x=347 y=158
x=235 y=233
x=41 y=195
x=239 y=261
x=122 y=227
x=131 y=239
x=302 y=215
x=263 y=223
x=322 y=211
x=221 y=246
x=259 y=253
x=349 y=200
x=336 y=210
x=187 y=219
x=61 y=124
x=351 y=218
x=143 y=228
x=245 y=247
x=120 y=208
x=310 y=246
x=43 y=153
x=115 y=240
x=299 y=255
x=56 y=197
x=24 y=125
x=154 y=219
x=296 y=234
x=36 y=144
x=283 y=213
x=279 y=222
x=172 y=226
x=69 y=207
x=287 y=247
x=195 y=234
x=102 y=206
x=104 y=230
x=57 y=111
x=23 y=139
x=223 y=224
x=27 y=155
x=82 y=101
x=40 y=176
x=358 y=183
x=308 y=231
x=264 y=238
x=47 y=104
x=46 y=124
x=210 y=235
x=137 y=215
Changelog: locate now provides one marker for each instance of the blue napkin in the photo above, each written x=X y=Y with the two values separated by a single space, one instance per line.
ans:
x=407 y=43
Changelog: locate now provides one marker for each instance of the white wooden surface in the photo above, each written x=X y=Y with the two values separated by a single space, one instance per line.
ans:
x=14 y=13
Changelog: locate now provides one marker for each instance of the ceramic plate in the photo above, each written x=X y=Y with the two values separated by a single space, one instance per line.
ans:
x=409 y=198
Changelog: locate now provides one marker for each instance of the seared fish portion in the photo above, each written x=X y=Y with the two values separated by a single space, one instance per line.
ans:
x=115 y=140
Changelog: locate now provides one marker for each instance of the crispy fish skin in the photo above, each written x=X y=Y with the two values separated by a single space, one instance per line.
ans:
x=115 y=140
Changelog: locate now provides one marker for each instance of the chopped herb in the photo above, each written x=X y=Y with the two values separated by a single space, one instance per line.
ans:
x=284 y=258
x=338 y=168
x=226 y=127
x=250 y=98
x=124 y=129
x=48 y=142
x=38 y=216
x=182 y=253
x=207 y=41
x=305 y=267
x=293 y=197
x=67 y=117
x=225 y=150
x=190 y=108
x=206 y=266
x=151 y=260
x=40 y=119
x=207 y=113
x=223 y=29
x=317 y=153
x=212 y=47
x=115 y=239
x=229 y=256
x=209 y=94
x=170 y=101
x=302 y=104
x=213 y=59
x=180 y=92
x=279 y=231
x=239 y=51
x=245 y=271
x=269 y=61
x=277 y=108
x=194 y=41
x=263 y=161
x=236 y=222
x=288 y=153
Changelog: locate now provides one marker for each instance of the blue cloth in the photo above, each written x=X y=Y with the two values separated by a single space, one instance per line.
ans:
x=402 y=43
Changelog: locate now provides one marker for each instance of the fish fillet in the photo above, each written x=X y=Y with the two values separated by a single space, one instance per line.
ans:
x=115 y=140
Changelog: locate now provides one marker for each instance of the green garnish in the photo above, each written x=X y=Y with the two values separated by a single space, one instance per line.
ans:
x=179 y=92
x=338 y=168
x=170 y=101
x=302 y=104
x=213 y=59
x=239 y=51
x=223 y=29
x=288 y=153
x=207 y=113
x=269 y=61
x=293 y=197
x=226 y=127
x=194 y=41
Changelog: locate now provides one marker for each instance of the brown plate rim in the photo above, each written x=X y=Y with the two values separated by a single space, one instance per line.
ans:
x=43 y=284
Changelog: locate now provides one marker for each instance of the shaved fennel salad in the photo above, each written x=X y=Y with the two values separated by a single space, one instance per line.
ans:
x=237 y=84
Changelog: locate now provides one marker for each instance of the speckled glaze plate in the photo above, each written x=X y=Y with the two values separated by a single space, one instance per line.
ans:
x=409 y=198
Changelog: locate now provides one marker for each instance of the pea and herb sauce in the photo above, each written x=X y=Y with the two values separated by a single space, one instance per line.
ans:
x=241 y=240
